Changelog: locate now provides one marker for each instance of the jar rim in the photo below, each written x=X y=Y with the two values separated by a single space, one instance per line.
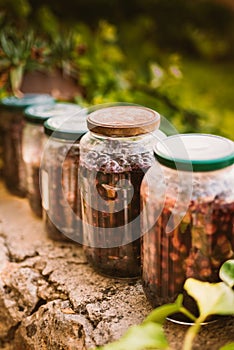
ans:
x=13 y=102
x=38 y=114
x=195 y=152
x=67 y=127
x=123 y=121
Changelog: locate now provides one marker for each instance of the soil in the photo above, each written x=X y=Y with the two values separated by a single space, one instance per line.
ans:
x=61 y=87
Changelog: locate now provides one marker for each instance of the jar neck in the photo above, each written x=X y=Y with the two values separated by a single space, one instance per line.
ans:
x=217 y=172
x=134 y=138
x=62 y=141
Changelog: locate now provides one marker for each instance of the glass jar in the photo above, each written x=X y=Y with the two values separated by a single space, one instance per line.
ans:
x=115 y=154
x=188 y=197
x=12 y=128
x=59 y=177
x=33 y=143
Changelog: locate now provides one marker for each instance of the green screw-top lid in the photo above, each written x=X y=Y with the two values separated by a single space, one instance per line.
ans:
x=40 y=113
x=70 y=127
x=13 y=102
x=195 y=152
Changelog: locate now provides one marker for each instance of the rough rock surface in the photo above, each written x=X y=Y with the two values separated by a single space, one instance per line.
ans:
x=51 y=299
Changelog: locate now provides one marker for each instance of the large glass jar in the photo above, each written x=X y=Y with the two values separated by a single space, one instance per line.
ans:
x=59 y=177
x=188 y=221
x=33 y=144
x=115 y=155
x=12 y=124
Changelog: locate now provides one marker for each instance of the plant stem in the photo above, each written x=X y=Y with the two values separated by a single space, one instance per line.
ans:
x=188 y=313
x=16 y=77
x=192 y=332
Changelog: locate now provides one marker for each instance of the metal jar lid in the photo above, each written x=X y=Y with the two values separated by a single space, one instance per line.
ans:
x=123 y=121
x=195 y=152
x=38 y=114
x=70 y=127
x=13 y=102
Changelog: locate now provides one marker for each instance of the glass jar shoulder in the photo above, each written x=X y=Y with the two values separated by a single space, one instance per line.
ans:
x=32 y=143
x=124 y=152
x=33 y=134
x=208 y=184
x=116 y=144
x=57 y=150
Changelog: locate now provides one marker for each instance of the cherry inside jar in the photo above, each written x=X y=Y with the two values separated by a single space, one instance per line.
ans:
x=11 y=127
x=33 y=143
x=189 y=217
x=59 y=177
x=115 y=155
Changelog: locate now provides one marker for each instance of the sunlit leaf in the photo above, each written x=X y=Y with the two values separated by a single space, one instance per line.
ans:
x=146 y=336
x=212 y=298
x=226 y=272
x=159 y=314
x=229 y=346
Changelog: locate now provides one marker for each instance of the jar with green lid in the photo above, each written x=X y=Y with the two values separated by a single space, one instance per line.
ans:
x=188 y=221
x=59 y=174
x=33 y=144
x=115 y=154
x=11 y=125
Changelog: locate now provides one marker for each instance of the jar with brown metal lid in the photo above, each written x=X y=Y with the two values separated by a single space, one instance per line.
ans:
x=114 y=156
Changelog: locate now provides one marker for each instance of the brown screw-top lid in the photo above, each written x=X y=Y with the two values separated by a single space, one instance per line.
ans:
x=121 y=121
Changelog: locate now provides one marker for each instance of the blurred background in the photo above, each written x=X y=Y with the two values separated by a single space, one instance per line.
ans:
x=176 y=56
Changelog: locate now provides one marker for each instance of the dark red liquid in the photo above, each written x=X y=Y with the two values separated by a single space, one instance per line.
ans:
x=114 y=202
x=62 y=219
x=14 y=168
x=196 y=248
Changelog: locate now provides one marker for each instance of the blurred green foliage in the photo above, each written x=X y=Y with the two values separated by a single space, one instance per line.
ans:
x=175 y=56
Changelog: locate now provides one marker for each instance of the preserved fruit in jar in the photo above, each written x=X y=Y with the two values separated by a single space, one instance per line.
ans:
x=115 y=155
x=60 y=177
x=33 y=145
x=12 y=125
x=193 y=236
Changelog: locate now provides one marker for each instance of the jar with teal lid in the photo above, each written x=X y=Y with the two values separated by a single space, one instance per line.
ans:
x=188 y=221
x=59 y=175
x=33 y=144
x=11 y=128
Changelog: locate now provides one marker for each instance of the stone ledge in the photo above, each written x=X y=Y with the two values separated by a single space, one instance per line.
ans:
x=50 y=298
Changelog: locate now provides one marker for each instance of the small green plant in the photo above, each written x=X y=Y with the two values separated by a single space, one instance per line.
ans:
x=211 y=298
x=63 y=53
x=19 y=52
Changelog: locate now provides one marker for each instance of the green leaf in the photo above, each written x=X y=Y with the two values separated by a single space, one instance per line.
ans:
x=226 y=272
x=146 y=336
x=229 y=346
x=212 y=298
x=6 y=46
x=159 y=314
